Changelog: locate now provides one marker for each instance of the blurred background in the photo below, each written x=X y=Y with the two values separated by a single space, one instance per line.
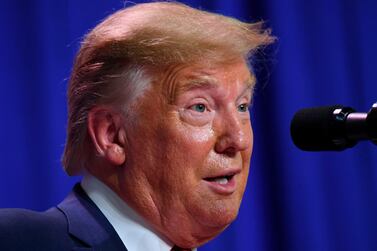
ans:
x=326 y=54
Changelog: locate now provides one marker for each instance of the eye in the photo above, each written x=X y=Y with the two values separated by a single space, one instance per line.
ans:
x=243 y=107
x=198 y=107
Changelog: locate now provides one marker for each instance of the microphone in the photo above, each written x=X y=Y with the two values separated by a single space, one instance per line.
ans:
x=333 y=128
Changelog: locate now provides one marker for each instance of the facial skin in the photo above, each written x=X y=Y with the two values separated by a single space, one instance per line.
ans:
x=187 y=153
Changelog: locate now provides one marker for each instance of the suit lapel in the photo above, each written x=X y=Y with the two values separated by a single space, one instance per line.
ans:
x=87 y=223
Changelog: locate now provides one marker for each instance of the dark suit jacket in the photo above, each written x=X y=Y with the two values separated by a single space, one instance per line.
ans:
x=75 y=224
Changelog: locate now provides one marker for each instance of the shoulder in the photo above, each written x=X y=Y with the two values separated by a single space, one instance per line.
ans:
x=75 y=223
x=21 y=229
x=23 y=219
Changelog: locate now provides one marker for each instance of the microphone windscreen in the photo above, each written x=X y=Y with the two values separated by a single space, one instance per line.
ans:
x=318 y=129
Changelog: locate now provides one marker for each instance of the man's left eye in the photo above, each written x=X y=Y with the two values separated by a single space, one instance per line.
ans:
x=199 y=107
x=243 y=108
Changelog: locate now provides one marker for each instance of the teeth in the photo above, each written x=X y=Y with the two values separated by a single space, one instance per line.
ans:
x=222 y=181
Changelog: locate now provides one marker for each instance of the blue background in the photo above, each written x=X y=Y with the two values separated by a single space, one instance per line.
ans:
x=295 y=201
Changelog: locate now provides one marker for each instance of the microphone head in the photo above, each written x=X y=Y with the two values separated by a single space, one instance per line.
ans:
x=321 y=129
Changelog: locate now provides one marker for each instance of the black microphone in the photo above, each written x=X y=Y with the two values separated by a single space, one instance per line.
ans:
x=333 y=128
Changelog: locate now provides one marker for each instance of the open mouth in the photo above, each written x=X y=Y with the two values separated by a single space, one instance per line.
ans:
x=222 y=180
x=222 y=184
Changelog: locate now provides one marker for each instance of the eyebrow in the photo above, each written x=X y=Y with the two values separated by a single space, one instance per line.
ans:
x=207 y=82
x=197 y=82
x=248 y=89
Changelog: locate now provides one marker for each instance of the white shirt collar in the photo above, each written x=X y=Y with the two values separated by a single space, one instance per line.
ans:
x=134 y=232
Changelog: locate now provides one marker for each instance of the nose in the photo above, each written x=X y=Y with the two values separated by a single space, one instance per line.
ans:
x=234 y=134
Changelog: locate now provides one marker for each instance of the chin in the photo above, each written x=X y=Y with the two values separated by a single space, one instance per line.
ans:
x=199 y=238
x=204 y=225
x=224 y=211
x=216 y=219
x=223 y=217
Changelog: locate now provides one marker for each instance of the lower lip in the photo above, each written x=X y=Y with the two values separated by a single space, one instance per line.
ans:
x=224 y=189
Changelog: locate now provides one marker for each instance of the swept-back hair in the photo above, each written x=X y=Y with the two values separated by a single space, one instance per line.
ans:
x=111 y=65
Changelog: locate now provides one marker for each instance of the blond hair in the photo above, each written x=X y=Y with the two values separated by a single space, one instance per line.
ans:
x=127 y=42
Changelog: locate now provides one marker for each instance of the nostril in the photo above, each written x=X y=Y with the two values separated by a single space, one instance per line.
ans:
x=230 y=145
x=230 y=152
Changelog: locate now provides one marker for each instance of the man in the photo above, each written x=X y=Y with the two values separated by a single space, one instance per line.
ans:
x=159 y=127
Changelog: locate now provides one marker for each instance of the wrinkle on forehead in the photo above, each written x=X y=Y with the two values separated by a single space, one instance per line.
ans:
x=182 y=78
x=169 y=81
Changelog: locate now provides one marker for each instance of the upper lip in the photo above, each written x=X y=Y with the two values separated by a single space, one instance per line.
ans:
x=229 y=172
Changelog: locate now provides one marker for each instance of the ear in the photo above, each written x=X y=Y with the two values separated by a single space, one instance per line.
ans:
x=107 y=133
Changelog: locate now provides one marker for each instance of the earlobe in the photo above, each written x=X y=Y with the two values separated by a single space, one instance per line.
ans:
x=116 y=152
x=116 y=155
x=106 y=131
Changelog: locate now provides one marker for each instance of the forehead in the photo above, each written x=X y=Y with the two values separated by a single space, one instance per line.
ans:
x=179 y=79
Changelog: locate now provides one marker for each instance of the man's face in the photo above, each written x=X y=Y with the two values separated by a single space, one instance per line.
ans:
x=189 y=151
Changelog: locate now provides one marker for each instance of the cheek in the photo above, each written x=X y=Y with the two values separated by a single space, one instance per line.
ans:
x=196 y=142
x=251 y=138
x=193 y=135
x=250 y=134
x=247 y=153
x=189 y=149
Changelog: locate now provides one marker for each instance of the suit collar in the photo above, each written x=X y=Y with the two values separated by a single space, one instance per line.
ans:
x=87 y=223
